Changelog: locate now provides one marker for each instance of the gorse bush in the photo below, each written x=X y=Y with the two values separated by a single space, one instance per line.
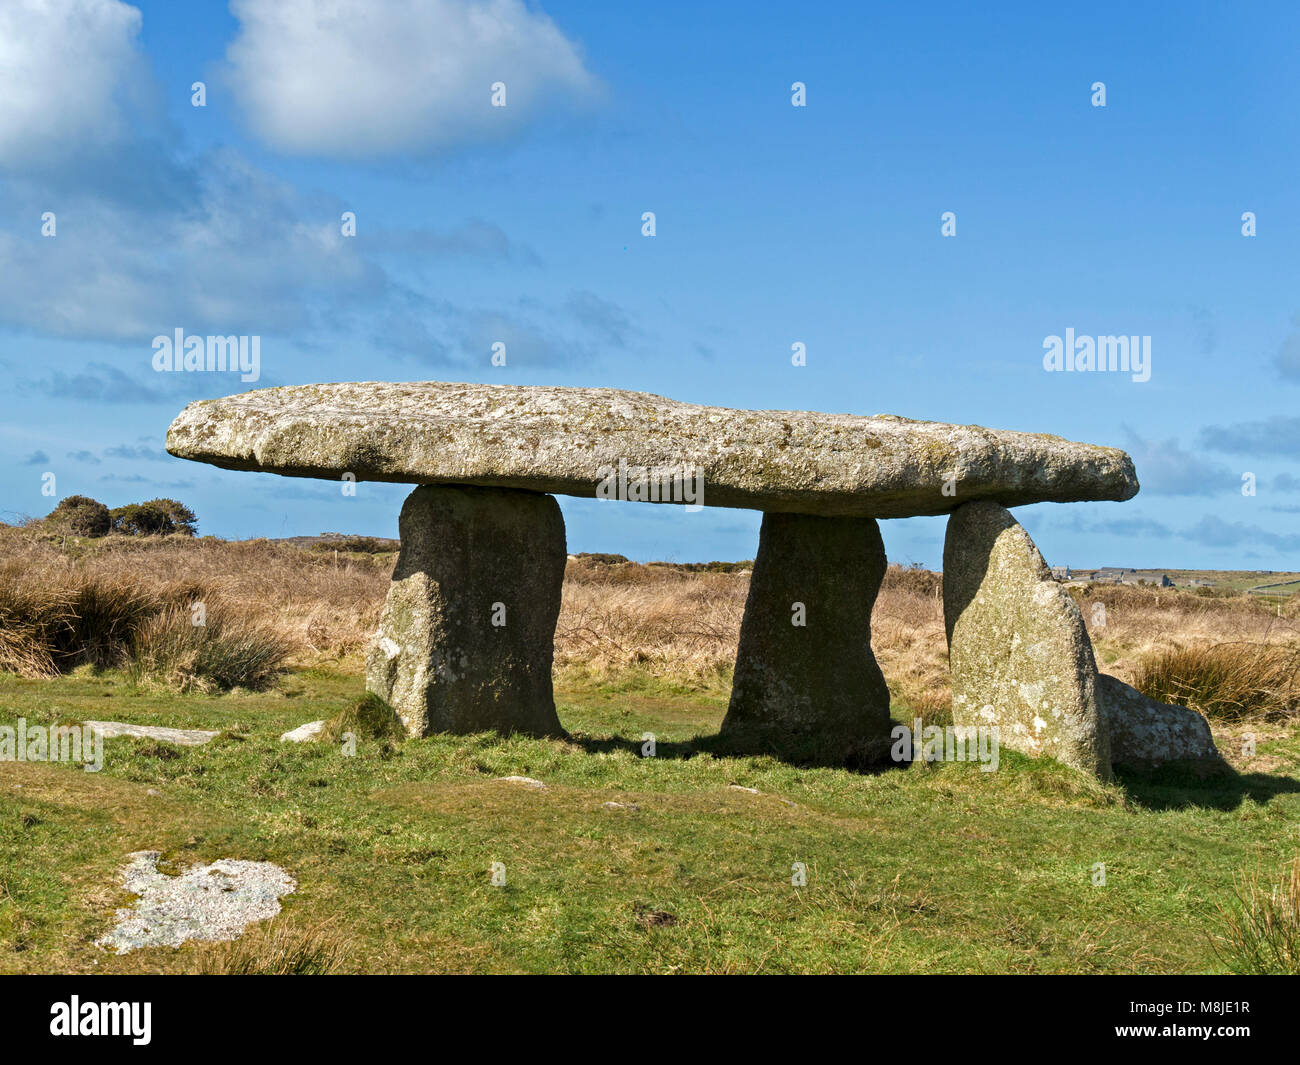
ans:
x=155 y=517
x=1225 y=680
x=81 y=516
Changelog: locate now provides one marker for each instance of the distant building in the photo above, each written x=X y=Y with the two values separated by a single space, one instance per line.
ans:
x=1115 y=575
x=1060 y=573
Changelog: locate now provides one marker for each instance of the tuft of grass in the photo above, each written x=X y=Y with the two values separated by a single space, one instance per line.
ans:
x=227 y=651
x=1228 y=681
x=1259 y=931
x=368 y=718
x=281 y=950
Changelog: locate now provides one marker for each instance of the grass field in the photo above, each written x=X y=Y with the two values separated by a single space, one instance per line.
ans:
x=926 y=869
x=938 y=868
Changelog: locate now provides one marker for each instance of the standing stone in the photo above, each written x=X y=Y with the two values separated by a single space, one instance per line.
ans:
x=466 y=638
x=1019 y=654
x=806 y=683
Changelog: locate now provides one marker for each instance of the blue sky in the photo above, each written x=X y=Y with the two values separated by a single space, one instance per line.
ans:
x=774 y=225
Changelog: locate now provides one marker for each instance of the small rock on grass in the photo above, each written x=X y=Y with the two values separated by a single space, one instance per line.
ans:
x=528 y=782
x=304 y=733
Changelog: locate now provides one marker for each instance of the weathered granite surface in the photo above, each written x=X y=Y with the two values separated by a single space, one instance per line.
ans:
x=1018 y=651
x=467 y=633
x=813 y=688
x=206 y=902
x=1145 y=733
x=557 y=440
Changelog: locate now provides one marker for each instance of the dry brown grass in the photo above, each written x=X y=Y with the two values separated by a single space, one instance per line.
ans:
x=1259 y=930
x=65 y=602
x=68 y=603
x=681 y=625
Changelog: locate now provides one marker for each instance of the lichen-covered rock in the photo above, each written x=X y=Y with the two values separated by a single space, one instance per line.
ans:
x=207 y=902
x=1145 y=733
x=806 y=682
x=560 y=439
x=467 y=634
x=1019 y=654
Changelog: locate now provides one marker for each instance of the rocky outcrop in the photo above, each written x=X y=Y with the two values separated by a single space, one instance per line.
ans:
x=466 y=637
x=806 y=682
x=1018 y=651
x=574 y=440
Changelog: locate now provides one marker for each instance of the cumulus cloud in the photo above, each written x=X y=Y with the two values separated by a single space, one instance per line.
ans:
x=246 y=255
x=70 y=76
x=353 y=78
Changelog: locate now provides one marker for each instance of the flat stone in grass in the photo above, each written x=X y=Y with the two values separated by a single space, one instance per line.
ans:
x=806 y=684
x=467 y=634
x=208 y=902
x=307 y=733
x=1018 y=651
x=183 y=737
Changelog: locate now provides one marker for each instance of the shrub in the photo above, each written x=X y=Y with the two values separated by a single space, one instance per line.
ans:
x=1260 y=928
x=155 y=517
x=81 y=516
x=1225 y=680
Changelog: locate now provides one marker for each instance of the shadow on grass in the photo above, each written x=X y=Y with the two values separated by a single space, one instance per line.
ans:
x=810 y=754
x=1174 y=787
x=1179 y=787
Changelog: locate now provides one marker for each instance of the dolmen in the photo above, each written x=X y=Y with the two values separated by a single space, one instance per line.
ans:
x=466 y=636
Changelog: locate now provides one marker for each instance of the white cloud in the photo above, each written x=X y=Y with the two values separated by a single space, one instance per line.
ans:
x=70 y=71
x=357 y=78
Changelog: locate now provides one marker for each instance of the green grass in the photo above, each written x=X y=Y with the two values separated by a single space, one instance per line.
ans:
x=939 y=869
